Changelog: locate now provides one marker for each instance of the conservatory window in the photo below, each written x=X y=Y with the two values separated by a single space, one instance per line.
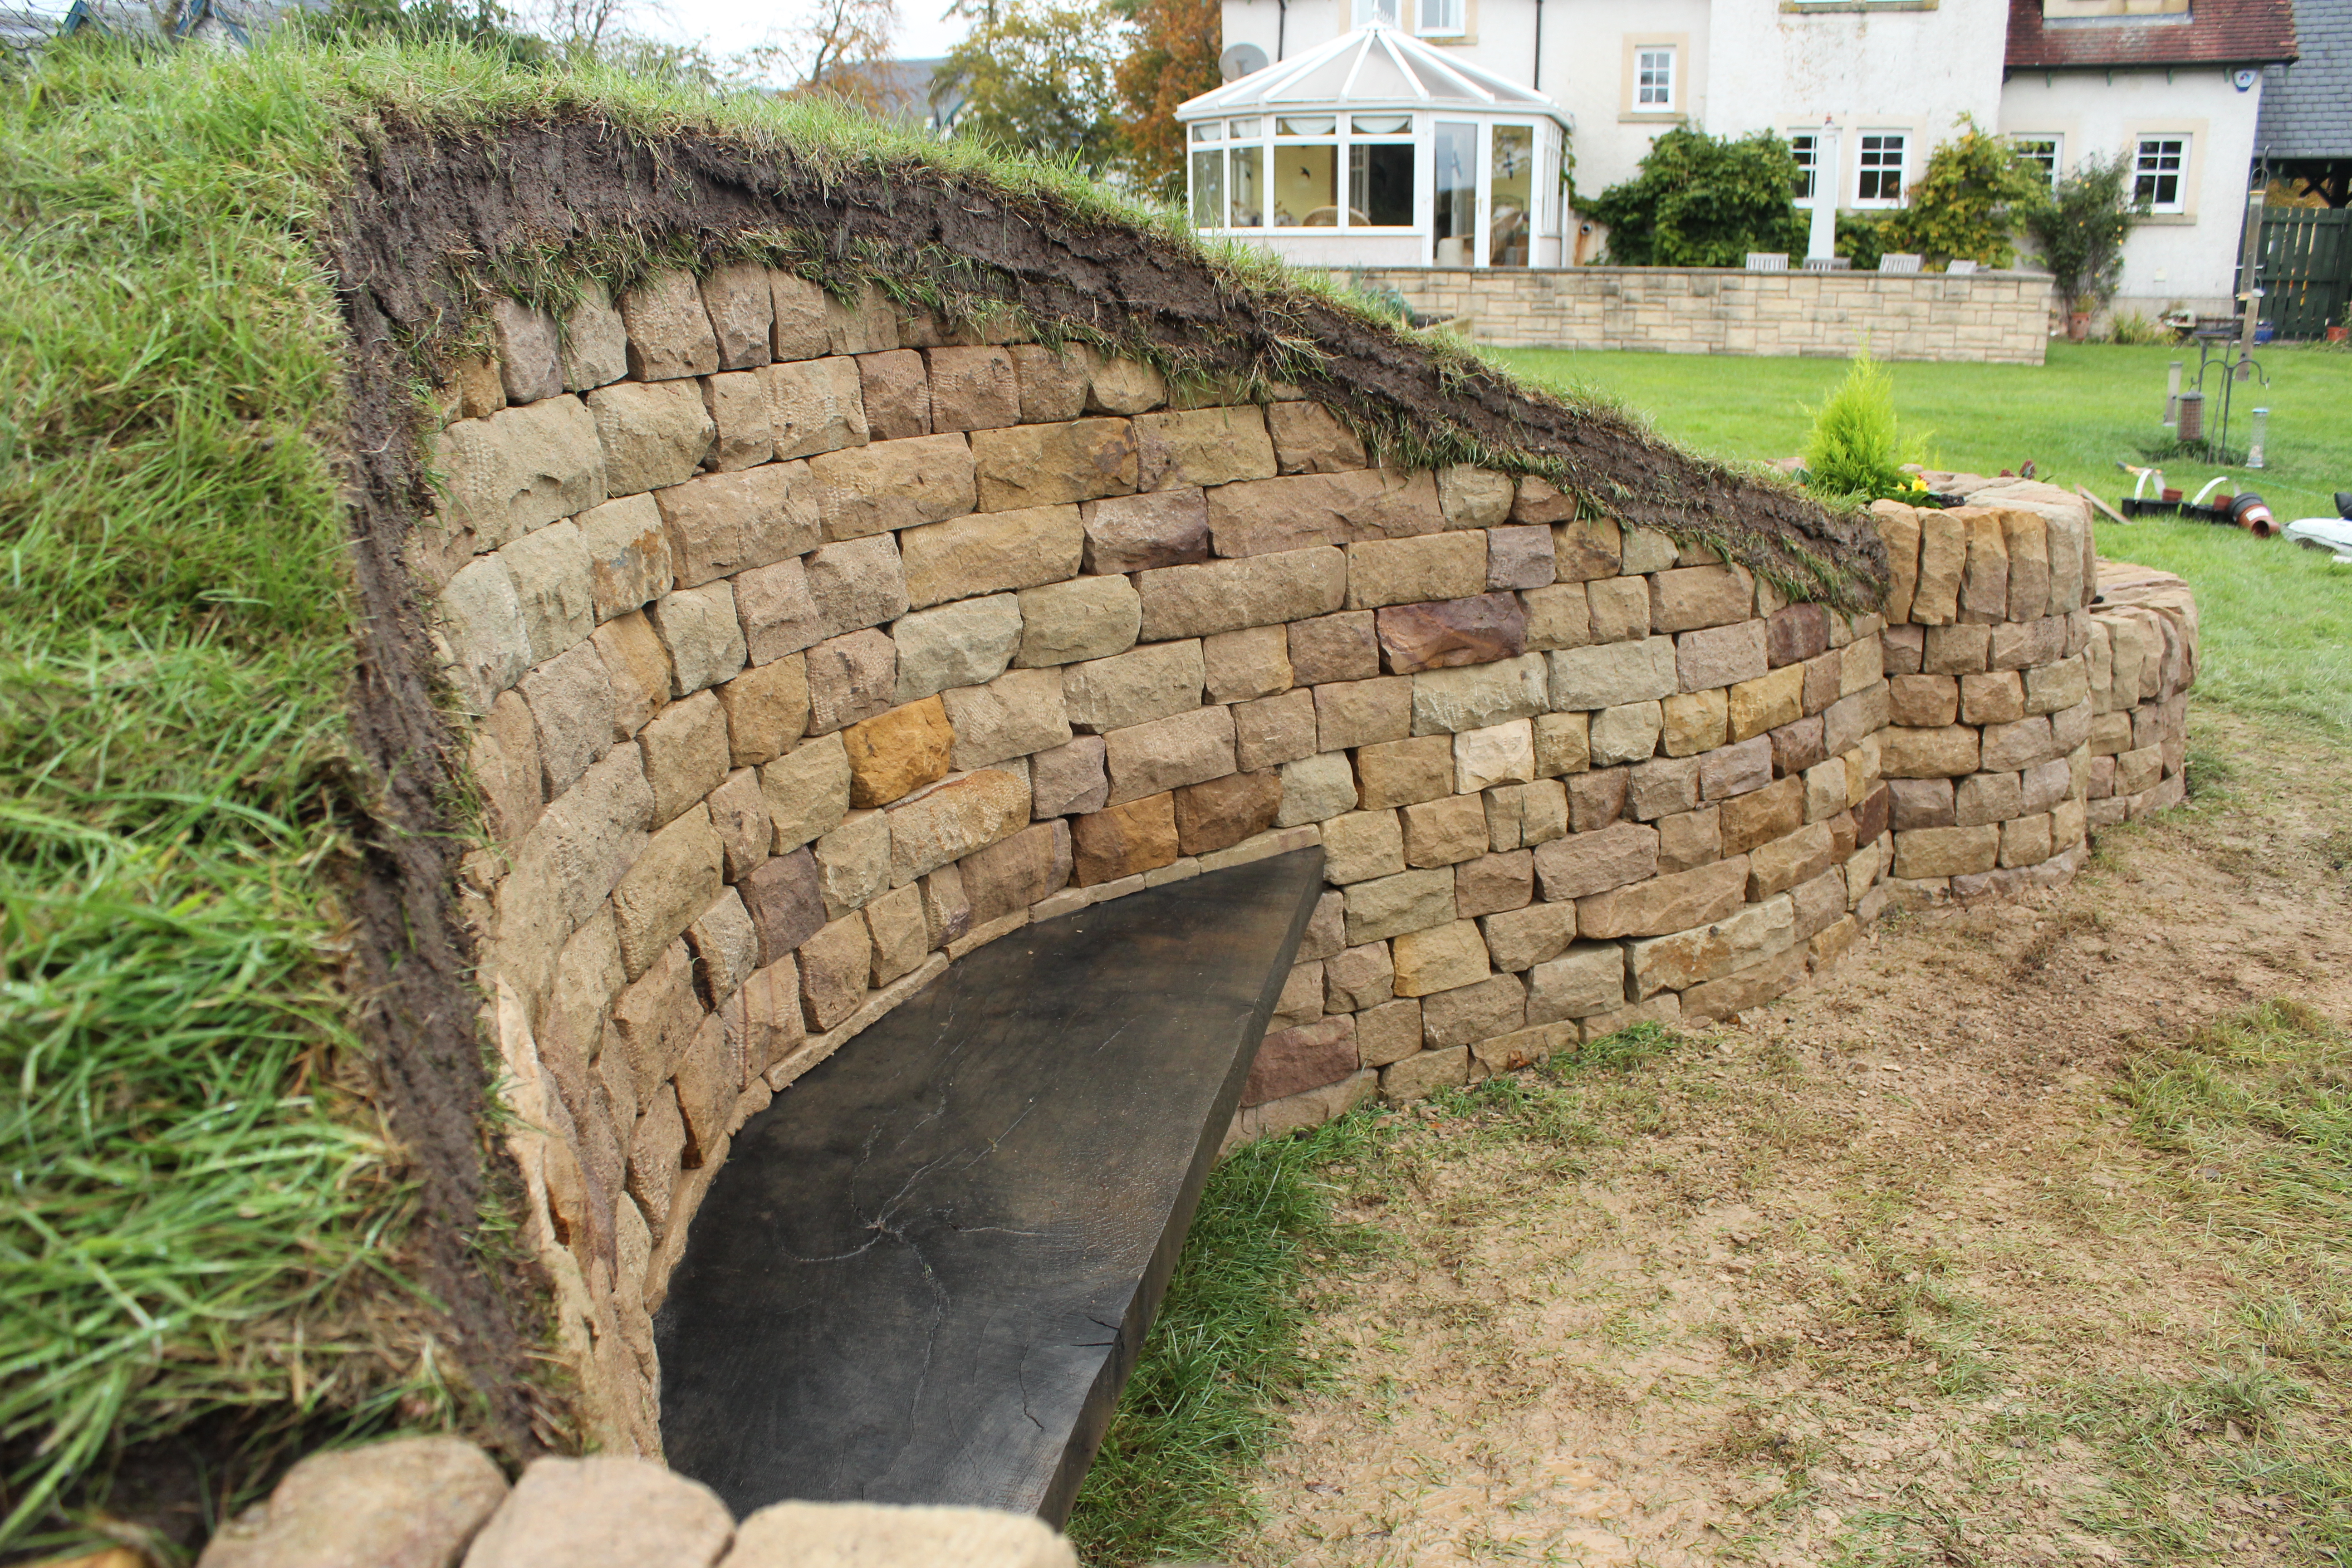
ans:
x=1208 y=188
x=1456 y=206
x=1248 y=209
x=1207 y=131
x=1444 y=18
x=1379 y=173
x=1307 y=184
x=1881 y=170
x=1512 y=195
x=2156 y=172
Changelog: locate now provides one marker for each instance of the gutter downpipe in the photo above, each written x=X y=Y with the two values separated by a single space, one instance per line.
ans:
x=1282 y=24
x=1538 y=82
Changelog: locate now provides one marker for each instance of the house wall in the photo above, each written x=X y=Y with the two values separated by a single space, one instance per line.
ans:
x=1999 y=317
x=2168 y=260
x=795 y=681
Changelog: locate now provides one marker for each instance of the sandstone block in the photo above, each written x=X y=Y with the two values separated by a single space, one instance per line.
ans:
x=1898 y=525
x=673 y=879
x=504 y=761
x=1424 y=1073
x=2048 y=690
x=866 y=324
x=2024 y=645
x=1351 y=713
x=1689 y=958
x=601 y=1509
x=1399 y=773
x=1798 y=746
x=1261 y=516
x=1222 y=812
x=1201 y=447
x=1273 y=730
x=897 y=392
x=1387 y=1033
x=686 y=754
x=1084 y=619
x=1496 y=754
x=1166 y=754
x=872 y=489
x=481 y=618
x=2017 y=745
x=1153 y=681
x=629 y=562
x=1054 y=465
x=638 y=666
x=796 y=327
x=851 y=677
x=2026 y=840
x=1527 y=815
x=1596 y=799
x=807 y=791
x=412 y=1502
x=1796 y=633
x=1922 y=803
x=1407 y=571
x=726 y=949
x=1606 y=677
x=699 y=631
x=1691 y=597
x=1984 y=582
x=974 y=388
x=1125 y=840
x=554 y=586
x=1359 y=979
x=1627 y=732
x=1122 y=386
x=786 y=899
x=1465 y=1014
x=1391 y=906
x=1648 y=551
x=1668 y=903
x=1826 y=790
x=1539 y=500
x=1137 y=534
x=815 y=406
x=1444 y=831
x=835 y=967
x=744 y=432
x=898 y=752
x=963 y=644
x=853 y=862
x=1588 y=550
x=1310 y=439
x=595 y=341
x=1254 y=662
x=779 y=613
x=1450 y=633
x=951 y=820
x=520 y=469
x=1776 y=810
x=1943 y=561
x=992 y=553
x=1563 y=744
x=857 y=585
x=1493 y=884
x=1069 y=780
x=1720 y=655
x=1446 y=701
x=900 y=935
x=1780 y=864
x=719 y=524
x=1053 y=385
x=1438 y=957
x=1017 y=871
x=1587 y=979
x=1018 y=712
x=1730 y=771
x=1292 y=1061
x=570 y=700
x=1957 y=649
x=738 y=815
x=1520 y=939
x=1359 y=845
x=1226 y=595
x=654 y=434
x=1997 y=697
x=1690 y=838
x=1767 y=702
x=1665 y=786
x=1746 y=988
x=2026 y=538
x=1924 y=702
x=1593 y=862
x=1558 y=616
x=670 y=334
x=1344 y=646
x=1473 y=498
x=1947 y=752
x=1923 y=852
x=1315 y=788
x=1520 y=557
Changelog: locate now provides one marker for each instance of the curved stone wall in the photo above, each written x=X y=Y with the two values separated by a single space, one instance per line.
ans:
x=811 y=647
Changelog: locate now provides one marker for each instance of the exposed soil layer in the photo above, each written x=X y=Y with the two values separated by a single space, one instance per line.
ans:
x=428 y=209
x=1877 y=1274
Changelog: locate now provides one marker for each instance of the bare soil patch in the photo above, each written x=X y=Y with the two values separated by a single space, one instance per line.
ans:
x=1879 y=1273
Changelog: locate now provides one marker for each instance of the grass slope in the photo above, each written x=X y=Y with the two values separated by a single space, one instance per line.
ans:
x=2277 y=620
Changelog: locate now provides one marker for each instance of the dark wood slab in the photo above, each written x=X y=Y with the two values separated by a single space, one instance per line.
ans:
x=924 y=1272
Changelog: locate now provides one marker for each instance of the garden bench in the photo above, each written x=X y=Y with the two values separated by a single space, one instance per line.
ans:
x=1768 y=261
x=1898 y=262
x=924 y=1272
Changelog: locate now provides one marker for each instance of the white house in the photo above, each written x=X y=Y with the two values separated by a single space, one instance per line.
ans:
x=1862 y=89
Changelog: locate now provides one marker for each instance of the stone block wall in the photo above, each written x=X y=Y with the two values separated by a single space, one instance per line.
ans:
x=809 y=646
x=1995 y=317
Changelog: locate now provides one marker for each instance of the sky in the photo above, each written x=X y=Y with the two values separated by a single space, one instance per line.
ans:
x=729 y=27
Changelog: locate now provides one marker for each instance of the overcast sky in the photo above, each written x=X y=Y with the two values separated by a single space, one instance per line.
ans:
x=729 y=27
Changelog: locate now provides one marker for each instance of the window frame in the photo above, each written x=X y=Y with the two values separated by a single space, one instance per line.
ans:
x=2055 y=140
x=1865 y=170
x=1809 y=165
x=2184 y=150
x=1668 y=101
x=1424 y=28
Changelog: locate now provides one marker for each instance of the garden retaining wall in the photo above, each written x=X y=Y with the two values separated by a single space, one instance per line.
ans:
x=795 y=681
x=1993 y=318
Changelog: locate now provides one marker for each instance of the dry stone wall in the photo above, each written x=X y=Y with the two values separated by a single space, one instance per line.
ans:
x=811 y=646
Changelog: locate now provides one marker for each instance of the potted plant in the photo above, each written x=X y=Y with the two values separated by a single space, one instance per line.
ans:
x=2079 y=228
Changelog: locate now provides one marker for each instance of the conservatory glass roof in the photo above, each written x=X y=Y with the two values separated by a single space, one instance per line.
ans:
x=1374 y=66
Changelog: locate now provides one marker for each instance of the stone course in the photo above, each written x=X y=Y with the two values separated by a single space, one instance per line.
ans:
x=765 y=742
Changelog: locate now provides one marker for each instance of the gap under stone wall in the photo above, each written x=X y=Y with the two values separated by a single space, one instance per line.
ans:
x=811 y=646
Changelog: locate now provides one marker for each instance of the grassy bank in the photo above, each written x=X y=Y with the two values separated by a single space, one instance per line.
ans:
x=2277 y=619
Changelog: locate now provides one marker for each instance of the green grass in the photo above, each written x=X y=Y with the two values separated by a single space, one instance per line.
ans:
x=2276 y=619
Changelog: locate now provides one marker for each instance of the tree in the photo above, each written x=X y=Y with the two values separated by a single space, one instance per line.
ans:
x=1172 y=57
x=1967 y=206
x=2080 y=228
x=1035 y=75
x=834 y=50
x=1704 y=201
x=481 y=25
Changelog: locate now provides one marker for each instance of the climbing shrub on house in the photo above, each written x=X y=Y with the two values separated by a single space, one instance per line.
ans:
x=1704 y=201
x=1966 y=207
x=2079 y=230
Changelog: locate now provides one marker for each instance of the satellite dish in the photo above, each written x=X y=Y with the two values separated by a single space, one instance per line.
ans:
x=1240 y=60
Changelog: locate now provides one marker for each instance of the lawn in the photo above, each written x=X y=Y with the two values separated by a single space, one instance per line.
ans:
x=2277 y=619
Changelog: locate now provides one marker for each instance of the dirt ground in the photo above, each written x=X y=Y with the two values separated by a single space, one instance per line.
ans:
x=1875 y=1274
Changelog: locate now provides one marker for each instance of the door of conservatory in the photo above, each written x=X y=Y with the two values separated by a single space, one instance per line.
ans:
x=1484 y=195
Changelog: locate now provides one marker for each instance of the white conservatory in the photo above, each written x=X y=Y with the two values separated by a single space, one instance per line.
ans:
x=1376 y=149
